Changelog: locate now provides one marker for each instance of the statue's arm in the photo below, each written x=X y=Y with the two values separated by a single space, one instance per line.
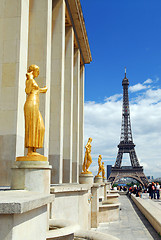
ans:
x=43 y=90
x=28 y=86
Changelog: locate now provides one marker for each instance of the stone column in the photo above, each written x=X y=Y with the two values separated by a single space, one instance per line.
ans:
x=68 y=106
x=105 y=191
x=13 y=66
x=95 y=205
x=76 y=89
x=39 y=53
x=81 y=119
x=57 y=90
x=108 y=183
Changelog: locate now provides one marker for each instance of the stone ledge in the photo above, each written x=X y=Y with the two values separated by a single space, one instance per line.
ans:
x=93 y=235
x=31 y=165
x=20 y=201
x=112 y=191
x=65 y=228
x=95 y=185
x=70 y=188
x=111 y=199
x=109 y=206
x=150 y=210
x=122 y=192
x=113 y=195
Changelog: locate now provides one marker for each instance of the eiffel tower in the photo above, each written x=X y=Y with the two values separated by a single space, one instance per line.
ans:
x=126 y=145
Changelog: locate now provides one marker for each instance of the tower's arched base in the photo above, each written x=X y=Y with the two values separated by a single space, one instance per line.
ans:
x=128 y=171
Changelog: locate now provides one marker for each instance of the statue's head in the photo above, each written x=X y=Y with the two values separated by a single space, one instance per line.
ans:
x=90 y=139
x=102 y=163
x=100 y=156
x=35 y=69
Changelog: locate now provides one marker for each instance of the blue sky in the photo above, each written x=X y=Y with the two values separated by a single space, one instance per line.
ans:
x=124 y=33
x=121 y=33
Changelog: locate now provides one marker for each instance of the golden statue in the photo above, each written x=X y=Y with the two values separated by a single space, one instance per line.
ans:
x=87 y=158
x=34 y=124
x=103 y=171
x=100 y=166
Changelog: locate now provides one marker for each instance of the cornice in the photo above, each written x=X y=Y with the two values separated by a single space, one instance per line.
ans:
x=75 y=11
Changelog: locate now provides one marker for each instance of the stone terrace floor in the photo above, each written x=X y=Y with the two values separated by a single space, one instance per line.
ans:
x=132 y=224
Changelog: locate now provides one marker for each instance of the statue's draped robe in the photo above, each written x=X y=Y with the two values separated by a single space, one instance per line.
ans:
x=34 y=124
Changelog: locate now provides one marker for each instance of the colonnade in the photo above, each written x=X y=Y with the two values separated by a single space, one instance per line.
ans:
x=52 y=35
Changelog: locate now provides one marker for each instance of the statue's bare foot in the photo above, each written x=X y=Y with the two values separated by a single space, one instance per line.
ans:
x=32 y=152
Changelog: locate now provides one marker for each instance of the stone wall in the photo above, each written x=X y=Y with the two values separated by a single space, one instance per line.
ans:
x=52 y=35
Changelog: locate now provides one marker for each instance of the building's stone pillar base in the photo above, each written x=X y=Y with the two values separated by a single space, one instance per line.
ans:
x=108 y=183
x=95 y=206
x=32 y=176
x=86 y=178
x=98 y=179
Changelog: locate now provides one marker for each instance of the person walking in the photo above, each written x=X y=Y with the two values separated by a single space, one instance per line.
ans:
x=158 y=190
x=150 y=190
x=140 y=190
x=153 y=191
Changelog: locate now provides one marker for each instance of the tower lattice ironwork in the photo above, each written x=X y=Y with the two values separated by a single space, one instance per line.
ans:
x=126 y=145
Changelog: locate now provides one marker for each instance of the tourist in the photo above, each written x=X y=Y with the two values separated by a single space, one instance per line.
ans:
x=158 y=190
x=130 y=191
x=150 y=190
x=140 y=190
x=135 y=189
x=145 y=188
x=153 y=191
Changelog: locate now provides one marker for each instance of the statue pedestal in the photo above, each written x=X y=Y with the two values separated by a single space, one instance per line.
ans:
x=104 y=180
x=86 y=178
x=31 y=175
x=98 y=179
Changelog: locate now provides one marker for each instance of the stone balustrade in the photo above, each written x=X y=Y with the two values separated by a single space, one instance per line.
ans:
x=151 y=210
x=21 y=210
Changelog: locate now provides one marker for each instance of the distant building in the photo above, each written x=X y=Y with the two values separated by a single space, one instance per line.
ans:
x=109 y=168
x=150 y=177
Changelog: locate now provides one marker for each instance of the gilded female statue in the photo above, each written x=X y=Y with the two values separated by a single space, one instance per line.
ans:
x=87 y=158
x=34 y=124
x=99 y=166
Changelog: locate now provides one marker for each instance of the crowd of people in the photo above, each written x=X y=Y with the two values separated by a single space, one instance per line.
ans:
x=152 y=188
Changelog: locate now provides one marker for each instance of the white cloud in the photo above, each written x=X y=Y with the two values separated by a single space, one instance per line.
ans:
x=103 y=124
x=114 y=97
x=157 y=79
x=148 y=81
x=137 y=87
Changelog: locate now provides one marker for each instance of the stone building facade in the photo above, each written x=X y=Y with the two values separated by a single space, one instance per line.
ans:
x=52 y=35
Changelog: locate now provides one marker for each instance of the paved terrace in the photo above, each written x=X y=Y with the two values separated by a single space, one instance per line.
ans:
x=132 y=224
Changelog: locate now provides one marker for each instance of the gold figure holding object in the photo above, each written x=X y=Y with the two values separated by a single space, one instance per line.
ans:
x=103 y=171
x=100 y=166
x=34 y=124
x=87 y=158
